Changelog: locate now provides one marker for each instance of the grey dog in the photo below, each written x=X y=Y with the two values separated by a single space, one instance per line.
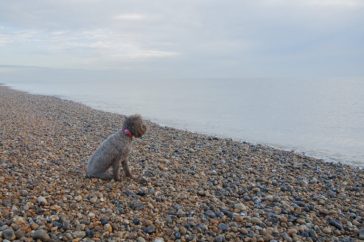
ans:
x=114 y=150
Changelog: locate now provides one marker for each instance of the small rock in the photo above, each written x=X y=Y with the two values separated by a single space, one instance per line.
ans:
x=361 y=234
x=78 y=198
x=140 y=239
x=108 y=228
x=240 y=207
x=177 y=235
x=244 y=231
x=158 y=240
x=327 y=230
x=136 y=221
x=41 y=200
x=149 y=230
x=91 y=215
x=19 y=220
x=24 y=193
x=19 y=234
x=90 y=233
x=104 y=221
x=210 y=213
x=292 y=231
x=223 y=227
x=239 y=219
x=41 y=234
x=79 y=234
x=335 y=223
x=256 y=220
x=219 y=238
x=9 y=234
x=182 y=230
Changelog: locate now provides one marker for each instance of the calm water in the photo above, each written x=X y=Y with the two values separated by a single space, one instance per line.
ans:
x=321 y=118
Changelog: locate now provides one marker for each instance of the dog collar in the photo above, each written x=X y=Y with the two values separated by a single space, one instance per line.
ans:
x=128 y=133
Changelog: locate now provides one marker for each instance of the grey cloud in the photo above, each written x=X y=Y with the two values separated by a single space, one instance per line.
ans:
x=187 y=38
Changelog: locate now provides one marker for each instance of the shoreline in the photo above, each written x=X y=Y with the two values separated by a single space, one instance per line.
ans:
x=324 y=155
x=199 y=187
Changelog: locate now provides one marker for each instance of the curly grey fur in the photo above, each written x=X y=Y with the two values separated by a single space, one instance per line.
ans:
x=114 y=151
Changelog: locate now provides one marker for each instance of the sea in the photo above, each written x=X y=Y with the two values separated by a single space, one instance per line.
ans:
x=320 y=118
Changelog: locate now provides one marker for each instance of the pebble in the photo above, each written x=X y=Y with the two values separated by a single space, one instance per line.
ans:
x=42 y=200
x=149 y=229
x=335 y=223
x=240 y=207
x=41 y=234
x=223 y=227
x=79 y=234
x=108 y=228
x=141 y=239
x=256 y=220
x=220 y=238
x=8 y=234
x=361 y=233
x=158 y=240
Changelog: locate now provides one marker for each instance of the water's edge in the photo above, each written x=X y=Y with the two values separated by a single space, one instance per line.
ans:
x=299 y=151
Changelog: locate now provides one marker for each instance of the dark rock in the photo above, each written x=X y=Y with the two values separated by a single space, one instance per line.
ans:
x=149 y=230
x=219 y=238
x=9 y=234
x=223 y=227
x=136 y=205
x=104 y=221
x=210 y=214
x=57 y=224
x=119 y=206
x=228 y=213
x=346 y=239
x=90 y=233
x=136 y=221
x=361 y=233
x=335 y=223
x=41 y=234
x=201 y=227
x=177 y=235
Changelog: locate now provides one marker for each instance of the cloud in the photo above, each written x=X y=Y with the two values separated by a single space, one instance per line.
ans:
x=130 y=17
x=319 y=3
x=185 y=37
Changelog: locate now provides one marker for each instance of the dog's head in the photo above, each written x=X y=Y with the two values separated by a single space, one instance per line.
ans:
x=136 y=125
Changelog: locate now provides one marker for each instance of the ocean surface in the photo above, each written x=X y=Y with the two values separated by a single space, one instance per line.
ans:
x=323 y=119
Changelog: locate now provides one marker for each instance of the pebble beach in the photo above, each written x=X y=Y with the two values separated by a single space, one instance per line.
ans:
x=198 y=187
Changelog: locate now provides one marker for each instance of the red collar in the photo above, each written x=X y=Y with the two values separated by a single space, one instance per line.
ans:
x=128 y=133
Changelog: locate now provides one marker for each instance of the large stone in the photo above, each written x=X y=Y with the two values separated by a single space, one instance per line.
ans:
x=9 y=234
x=41 y=234
x=361 y=233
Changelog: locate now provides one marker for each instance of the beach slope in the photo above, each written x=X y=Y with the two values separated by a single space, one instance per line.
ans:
x=199 y=188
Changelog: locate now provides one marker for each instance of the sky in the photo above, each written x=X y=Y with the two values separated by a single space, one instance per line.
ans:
x=184 y=38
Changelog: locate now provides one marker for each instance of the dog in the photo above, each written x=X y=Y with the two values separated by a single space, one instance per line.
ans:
x=114 y=151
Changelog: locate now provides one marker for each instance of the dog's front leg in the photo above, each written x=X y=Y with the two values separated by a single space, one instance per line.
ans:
x=126 y=169
x=116 y=170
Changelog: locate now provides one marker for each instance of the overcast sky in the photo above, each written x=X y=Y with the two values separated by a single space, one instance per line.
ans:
x=186 y=38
